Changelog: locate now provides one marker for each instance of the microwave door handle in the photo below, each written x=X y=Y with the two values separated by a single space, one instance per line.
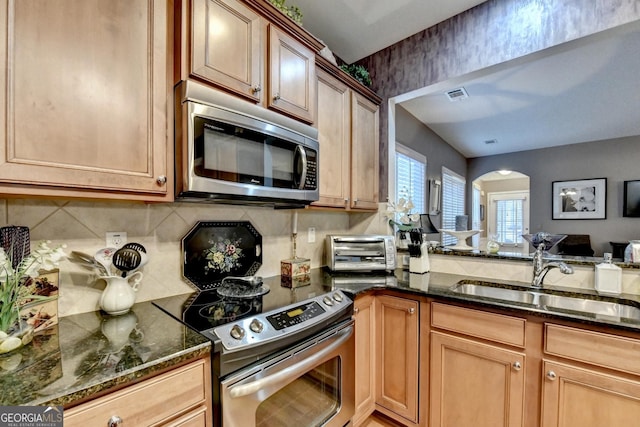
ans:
x=293 y=371
x=303 y=156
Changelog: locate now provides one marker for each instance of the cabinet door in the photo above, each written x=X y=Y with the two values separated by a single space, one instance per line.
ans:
x=398 y=340
x=84 y=97
x=576 y=397
x=227 y=46
x=292 y=80
x=365 y=369
x=334 y=134
x=475 y=384
x=364 y=153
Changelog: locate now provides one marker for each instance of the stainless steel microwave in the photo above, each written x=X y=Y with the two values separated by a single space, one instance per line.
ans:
x=233 y=151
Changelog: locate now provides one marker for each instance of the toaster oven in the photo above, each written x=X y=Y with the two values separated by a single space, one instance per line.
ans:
x=360 y=253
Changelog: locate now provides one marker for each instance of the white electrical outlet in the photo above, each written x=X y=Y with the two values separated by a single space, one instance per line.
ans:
x=116 y=239
x=311 y=235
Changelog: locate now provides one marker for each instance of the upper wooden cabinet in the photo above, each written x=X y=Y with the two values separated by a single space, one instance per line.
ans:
x=227 y=40
x=229 y=44
x=365 y=148
x=348 y=129
x=84 y=91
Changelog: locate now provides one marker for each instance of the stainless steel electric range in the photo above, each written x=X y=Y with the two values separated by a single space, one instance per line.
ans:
x=282 y=356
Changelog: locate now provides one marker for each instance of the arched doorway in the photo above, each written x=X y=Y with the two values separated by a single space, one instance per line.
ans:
x=500 y=207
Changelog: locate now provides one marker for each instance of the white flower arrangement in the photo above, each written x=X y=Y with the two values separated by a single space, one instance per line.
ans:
x=16 y=286
x=400 y=216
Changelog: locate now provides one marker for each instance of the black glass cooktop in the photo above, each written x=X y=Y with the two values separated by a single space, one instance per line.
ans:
x=206 y=309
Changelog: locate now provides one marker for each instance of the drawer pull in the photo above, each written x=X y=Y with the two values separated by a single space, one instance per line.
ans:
x=516 y=366
x=551 y=375
x=115 y=421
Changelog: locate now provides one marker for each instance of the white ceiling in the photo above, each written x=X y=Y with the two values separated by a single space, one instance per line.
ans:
x=586 y=90
x=583 y=91
x=354 y=29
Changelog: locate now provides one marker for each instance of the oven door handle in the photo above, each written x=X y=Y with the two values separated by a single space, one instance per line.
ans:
x=292 y=371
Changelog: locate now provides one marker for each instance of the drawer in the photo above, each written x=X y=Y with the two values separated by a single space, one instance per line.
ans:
x=597 y=348
x=476 y=323
x=151 y=401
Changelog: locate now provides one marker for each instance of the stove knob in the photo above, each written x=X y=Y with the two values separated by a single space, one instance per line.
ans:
x=337 y=297
x=256 y=326
x=328 y=301
x=236 y=332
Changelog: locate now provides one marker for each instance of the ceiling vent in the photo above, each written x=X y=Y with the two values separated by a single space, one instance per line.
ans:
x=457 y=94
x=491 y=141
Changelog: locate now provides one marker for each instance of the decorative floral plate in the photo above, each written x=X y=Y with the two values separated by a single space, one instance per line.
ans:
x=215 y=250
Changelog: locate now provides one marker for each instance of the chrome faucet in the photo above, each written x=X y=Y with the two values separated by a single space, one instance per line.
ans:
x=540 y=269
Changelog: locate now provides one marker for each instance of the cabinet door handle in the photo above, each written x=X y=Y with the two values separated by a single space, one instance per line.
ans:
x=115 y=421
x=411 y=310
x=551 y=375
x=355 y=201
x=346 y=201
x=516 y=366
x=356 y=310
x=256 y=89
x=162 y=179
x=277 y=97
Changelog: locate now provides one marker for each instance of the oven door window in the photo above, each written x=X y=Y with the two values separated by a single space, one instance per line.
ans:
x=236 y=154
x=310 y=400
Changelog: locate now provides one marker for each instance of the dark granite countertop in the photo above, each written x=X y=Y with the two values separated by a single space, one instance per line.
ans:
x=506 y=254
x=438 y=285
x=90 y=353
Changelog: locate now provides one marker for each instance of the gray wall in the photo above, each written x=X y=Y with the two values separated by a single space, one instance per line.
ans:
x=617 y=160
x=414 y=134
x=489 y=34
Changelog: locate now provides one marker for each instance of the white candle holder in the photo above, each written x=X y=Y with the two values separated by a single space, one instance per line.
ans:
x=461 y=236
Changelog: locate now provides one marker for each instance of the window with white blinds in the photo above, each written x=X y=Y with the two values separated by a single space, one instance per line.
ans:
x=453 y=193
x=411 y=172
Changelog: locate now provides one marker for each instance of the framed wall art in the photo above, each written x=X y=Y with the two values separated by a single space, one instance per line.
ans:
x=581 y=199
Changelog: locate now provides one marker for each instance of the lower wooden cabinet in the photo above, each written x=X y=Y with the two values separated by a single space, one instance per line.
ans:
x=365 y=318
x=595 y=382
x=180 y=397
x=470 y=367
x=397 y=338
x=578 y=397
x=474 y=384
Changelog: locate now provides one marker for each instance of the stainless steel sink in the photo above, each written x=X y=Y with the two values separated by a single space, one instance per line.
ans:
x=547 y=301
x=502 y=294
x=599 y=308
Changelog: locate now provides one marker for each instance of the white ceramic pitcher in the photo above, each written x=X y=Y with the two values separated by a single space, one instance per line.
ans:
x=120 y=294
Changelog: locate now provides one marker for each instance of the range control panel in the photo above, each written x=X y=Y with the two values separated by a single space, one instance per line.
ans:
x=272 y=325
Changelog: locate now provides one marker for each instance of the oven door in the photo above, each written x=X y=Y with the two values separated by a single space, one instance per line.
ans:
x=310 y=385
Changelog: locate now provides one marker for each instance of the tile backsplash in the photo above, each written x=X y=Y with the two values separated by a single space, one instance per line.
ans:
x=82 y=225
